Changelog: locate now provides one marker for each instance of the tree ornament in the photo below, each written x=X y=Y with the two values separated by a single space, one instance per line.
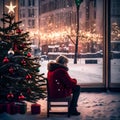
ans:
x=5 y=60
x=23 y=62
x=25 y=53
x=11 y=70
x=10 y=96
x=29 y=54
x=10 y=52
x=28 y=77
x=21 y=97
x=18 y=31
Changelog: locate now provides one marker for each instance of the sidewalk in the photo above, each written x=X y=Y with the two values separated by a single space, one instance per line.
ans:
x=93 y=106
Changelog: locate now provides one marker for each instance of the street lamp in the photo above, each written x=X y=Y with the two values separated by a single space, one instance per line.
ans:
x=78 y=2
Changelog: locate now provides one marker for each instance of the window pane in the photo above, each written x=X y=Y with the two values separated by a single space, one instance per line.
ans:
x=115 y=41
x=58 y=36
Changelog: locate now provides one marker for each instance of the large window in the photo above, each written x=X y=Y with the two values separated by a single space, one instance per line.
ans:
x=115 y=41
x=59 y=32
x=98 y=58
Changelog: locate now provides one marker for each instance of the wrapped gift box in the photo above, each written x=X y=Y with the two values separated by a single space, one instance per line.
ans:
x=13 y=107
x=10 y=108
x=21 y=107
x=35 y=108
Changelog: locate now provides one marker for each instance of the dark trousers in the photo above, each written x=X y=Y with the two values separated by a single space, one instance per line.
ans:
x=76 y=93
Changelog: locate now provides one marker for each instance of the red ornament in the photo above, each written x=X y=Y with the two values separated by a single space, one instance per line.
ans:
x=18 y=31
x=23 y=62
x=10 y=96
x=5 y=60
x=21 y=97
x=28 y=76
x=11 y=70
x=29 y=54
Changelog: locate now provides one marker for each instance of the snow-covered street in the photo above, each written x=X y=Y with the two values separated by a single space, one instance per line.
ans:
x=88 y=73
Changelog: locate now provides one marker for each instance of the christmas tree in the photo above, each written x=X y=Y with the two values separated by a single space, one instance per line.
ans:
x=20 y=77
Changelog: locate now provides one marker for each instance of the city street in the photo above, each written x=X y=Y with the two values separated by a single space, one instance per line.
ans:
x=88 y=73
x=84 y=73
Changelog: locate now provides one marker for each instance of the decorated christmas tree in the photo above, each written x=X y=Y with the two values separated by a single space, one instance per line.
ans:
x=20 y=77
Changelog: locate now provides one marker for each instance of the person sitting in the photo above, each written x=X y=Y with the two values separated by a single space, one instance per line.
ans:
x=61 y=84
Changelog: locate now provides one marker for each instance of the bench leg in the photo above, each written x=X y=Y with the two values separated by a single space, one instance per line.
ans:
x=48 y=108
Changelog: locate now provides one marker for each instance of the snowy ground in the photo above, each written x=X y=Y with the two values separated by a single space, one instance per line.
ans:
x=89 y=73
x=93 y=106
x=84 y=73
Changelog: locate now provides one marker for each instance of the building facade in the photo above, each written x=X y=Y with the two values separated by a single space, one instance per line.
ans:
x=29 y=15
x=58 y=24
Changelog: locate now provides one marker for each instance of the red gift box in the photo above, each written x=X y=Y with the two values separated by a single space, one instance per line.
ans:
x=35 y=108
x=16 y=107
x=10 y=108
x=13 y=107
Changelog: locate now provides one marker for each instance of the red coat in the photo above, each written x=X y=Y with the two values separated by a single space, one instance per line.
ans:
x=59 y=81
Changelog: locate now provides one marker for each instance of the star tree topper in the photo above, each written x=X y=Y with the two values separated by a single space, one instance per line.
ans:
x=11 y=8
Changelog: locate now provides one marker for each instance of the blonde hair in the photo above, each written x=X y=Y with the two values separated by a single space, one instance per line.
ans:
x=61 y=59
